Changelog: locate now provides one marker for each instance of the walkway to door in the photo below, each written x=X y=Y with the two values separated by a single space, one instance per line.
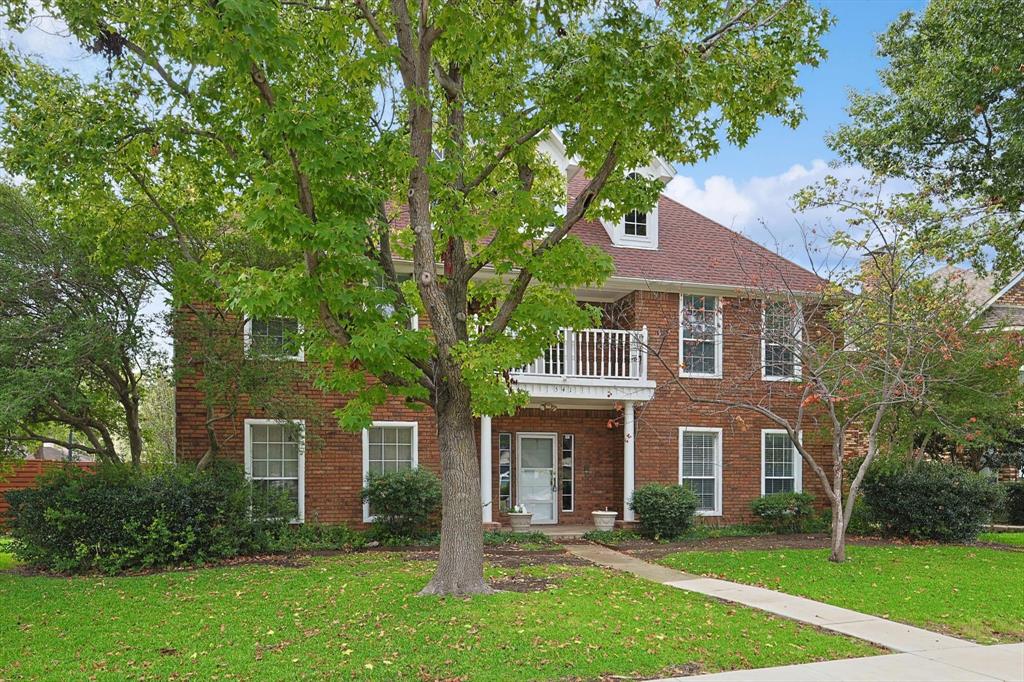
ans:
x=942 y=656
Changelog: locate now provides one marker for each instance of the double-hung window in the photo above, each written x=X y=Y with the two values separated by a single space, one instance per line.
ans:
x=274 y=337
x=388 y=447
x=275 y=463
x=634 y=223
x=782 y=330
x=781 y=464
x=700 y=466
x=700 y=336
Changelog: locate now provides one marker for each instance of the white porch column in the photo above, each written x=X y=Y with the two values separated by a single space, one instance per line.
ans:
x=628 y=460
x=485 y=468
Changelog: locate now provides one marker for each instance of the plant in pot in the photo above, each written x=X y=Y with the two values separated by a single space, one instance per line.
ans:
x=520 y=519
x=604 y=520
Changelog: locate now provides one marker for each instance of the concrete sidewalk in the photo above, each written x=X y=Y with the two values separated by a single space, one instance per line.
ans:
x=1003 y=662
x=891 y=635
x=925 y=656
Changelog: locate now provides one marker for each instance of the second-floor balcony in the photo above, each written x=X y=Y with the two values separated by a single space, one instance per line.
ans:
x=590 y=364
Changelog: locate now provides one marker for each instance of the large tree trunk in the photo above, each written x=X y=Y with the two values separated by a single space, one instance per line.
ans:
x=838 y=554
x=135 y=444
x=460 y=569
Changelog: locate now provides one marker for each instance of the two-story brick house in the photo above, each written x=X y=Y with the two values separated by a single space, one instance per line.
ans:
x=611 y=408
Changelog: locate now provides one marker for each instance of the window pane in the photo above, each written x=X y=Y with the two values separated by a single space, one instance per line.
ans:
x=535 y=453
x=699 y=332
x=699 y=466
x=568 y=447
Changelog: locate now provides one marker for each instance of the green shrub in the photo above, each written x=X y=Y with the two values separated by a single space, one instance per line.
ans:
x=785 y=512
x=930 y=500
x=663 y=511
x=1014 y=502
x=612 y=538
x=403 y=503
x=116 y=519
x=309 y=537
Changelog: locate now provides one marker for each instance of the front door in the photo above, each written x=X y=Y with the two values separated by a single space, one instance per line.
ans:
x=538 y=477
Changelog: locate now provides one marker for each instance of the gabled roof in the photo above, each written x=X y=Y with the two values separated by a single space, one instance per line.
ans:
x=986 y=301
x=693 y=249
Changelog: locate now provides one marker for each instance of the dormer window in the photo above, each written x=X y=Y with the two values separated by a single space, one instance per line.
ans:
x=635 y=224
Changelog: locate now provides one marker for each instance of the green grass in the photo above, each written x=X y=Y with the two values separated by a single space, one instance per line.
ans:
x=966 y=591
x=1016 y=539
x=358 y=616
x=7 y=559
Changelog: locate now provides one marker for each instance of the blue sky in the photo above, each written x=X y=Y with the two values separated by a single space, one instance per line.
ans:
x=851 y=64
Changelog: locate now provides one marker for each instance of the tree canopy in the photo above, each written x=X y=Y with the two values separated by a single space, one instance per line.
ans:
x=74 y=342
x=355 y=143
x=949 y=118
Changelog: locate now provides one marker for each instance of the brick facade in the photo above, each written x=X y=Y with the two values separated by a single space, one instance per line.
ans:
x=334 y=458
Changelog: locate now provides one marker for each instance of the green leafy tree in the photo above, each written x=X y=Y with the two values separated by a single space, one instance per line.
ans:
x=348 y=140
x=74 y=344
x=949 y=118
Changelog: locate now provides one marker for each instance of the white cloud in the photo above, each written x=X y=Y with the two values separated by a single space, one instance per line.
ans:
x=47 y=39
x=762 y=207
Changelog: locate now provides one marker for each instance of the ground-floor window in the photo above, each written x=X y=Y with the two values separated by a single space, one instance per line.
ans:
x=388 y=447
x=504 y=471
x=568 y=447
x=274 y=461
x=780 y=463
x=700 y=466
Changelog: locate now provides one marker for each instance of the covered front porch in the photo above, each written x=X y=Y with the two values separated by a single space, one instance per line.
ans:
x=571 y=451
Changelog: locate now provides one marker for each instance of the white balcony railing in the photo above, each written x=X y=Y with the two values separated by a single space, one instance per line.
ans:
x=609 y=354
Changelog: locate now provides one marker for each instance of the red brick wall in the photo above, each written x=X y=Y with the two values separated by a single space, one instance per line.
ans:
x=334 y=457
x=23 y=474
x=658 y=422
x=597 y=453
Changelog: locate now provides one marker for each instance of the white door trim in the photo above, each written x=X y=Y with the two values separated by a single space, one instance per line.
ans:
x=553 y=437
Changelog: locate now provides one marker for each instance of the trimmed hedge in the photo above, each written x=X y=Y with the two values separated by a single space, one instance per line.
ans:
x=665 y=512
x=785 y=512
x=405 y=504
x=930 y=500
x=117 y=519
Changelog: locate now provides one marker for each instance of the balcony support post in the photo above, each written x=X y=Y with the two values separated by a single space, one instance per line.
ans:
x=628 y=460
x=485 y=469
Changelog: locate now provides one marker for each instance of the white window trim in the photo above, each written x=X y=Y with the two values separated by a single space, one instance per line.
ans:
x=648 y=241
x=798 y=460
x=247 y=340
x=717 y=511
x=797 y=366
x=366 y=454
x=719 y=340
x=249 y=423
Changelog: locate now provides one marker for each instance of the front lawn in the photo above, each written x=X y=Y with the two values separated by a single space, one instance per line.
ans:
x=357 y=616
x=966 y=591
x=1016 y=539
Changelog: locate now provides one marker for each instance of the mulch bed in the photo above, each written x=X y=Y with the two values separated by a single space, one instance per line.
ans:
x=645 y=549
x=648 y=550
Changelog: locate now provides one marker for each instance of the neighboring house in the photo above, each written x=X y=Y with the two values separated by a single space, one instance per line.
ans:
x=606 y=415
x=998 y=307
x=20 y=474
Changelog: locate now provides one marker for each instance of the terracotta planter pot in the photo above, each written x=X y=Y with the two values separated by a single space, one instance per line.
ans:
x=604 y=520
x=520 y=522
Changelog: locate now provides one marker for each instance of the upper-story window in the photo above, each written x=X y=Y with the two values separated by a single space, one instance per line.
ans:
x=700 y=336
x=782 y=330
x=637 y=229
x=275 y=337
x=635 y=224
